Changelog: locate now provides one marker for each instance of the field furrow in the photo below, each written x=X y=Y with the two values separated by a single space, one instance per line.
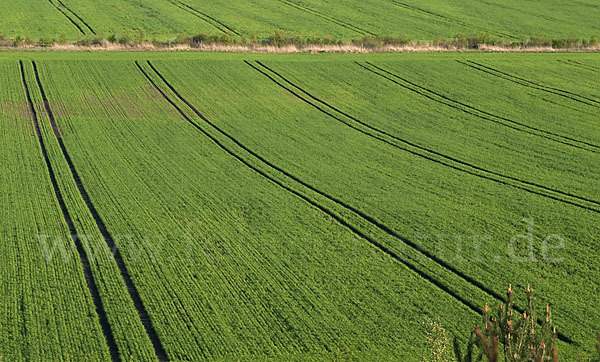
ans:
x=85 y=262
x=579 y=64
x=410 y=119
x=207 y=18
x=61 y=4
x=452 y=20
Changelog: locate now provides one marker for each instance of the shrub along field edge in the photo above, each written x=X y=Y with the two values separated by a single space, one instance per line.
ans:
x=282 y=42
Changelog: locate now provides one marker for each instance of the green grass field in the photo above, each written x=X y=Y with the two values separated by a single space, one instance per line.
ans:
x=190 y=206
x=343 y=20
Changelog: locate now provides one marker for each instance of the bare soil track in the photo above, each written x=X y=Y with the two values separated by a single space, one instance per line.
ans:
x=83 y=258
x=579 y=64
x=131 y=288
x=61 y=7
x=530 y=13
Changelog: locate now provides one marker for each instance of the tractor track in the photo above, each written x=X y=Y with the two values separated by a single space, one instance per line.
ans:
x=344 y=24
x=83 y=257
x=77 y=16
x=68 y=17
x=451 y=20
x=434 y=156
x=444 y=265
x=579 y=64
x=586 y=4
x=222 y=27
x=566 y=140
x=530 y=13
x=287 y=188
x=130 y=286
x=531 y=84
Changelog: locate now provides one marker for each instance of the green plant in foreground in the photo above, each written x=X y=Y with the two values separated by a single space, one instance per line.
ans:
x=522 y=338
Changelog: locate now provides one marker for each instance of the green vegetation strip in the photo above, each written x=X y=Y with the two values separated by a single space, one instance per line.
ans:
x=294 y=229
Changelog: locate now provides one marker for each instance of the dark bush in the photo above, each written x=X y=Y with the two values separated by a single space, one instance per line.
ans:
x=125 y=38
x=45 y=42
x=460 y=41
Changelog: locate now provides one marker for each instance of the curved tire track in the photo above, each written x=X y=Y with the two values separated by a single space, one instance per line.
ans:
x=324 y=209
x=579 y=64
x=531 y=84
x=77 y=16
x=344 y=24
x=530 y=13
x=337 y=202
x=131 y=288
x=83 y=257
x=438 y=157
x=68 y=17
x=222 y=27
x=566 y=140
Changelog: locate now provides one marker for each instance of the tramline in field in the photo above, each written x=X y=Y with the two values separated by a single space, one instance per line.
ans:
x=345 y=20
x=226 y=206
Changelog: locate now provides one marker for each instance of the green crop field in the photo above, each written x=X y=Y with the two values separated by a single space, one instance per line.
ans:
x=177 y=184
x=281 y=207
x=344 y=20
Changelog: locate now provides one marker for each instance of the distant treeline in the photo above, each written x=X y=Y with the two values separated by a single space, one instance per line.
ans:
x=280 y=39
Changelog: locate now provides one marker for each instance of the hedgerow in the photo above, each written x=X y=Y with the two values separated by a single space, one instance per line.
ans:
x=279 y=39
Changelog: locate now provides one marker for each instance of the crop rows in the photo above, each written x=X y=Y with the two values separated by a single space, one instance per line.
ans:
x=222 y=208
x=433 y=155
x=46 y=312
x=279 y=156
x=433 y=95
x=528 y=83
x=345 y=20
x=175 y=337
